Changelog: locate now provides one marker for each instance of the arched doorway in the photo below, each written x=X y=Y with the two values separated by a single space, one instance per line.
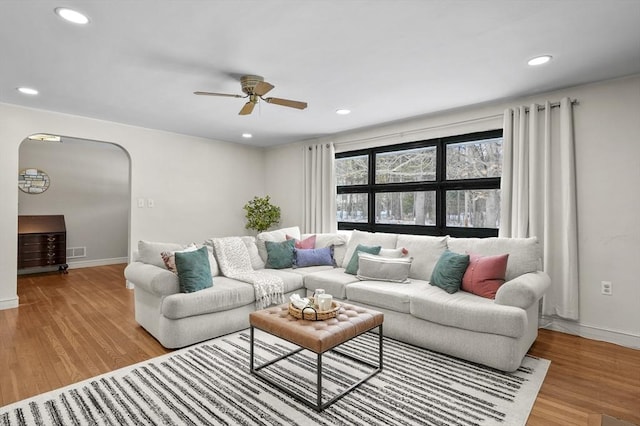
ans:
x=90 y=184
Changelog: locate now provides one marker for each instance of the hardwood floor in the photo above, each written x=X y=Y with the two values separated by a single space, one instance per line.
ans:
x=72 y=327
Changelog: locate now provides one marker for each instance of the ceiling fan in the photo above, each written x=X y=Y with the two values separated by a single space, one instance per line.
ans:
x=255 y=88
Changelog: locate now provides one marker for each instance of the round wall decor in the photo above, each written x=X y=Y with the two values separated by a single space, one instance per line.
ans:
x=33 y=181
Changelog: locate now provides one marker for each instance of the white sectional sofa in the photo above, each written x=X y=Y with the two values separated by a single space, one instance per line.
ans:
x=494 y=332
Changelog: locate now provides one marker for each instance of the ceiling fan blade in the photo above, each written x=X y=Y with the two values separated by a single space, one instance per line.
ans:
x=247 y=108
x=287 y=103
x=218 y=94
x=262 y=87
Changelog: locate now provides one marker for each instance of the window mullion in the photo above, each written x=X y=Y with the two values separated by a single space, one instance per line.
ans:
x=476 y=186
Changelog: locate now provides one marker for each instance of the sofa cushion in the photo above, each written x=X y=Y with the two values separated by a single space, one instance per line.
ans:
x=393 y=296
x=291 y=280
x=310 y=269
x=381 y=268
x=468 y=311
x=448 y=272
x=339 y=242
x=194 y=271
x=485 y=274
x=226 y=294
x=333 y=281
x=381 y=239
x=279 y=255
x=524 y=253
x=256 y=261
x=150 y=252
x=425 y=250
x=276 y=236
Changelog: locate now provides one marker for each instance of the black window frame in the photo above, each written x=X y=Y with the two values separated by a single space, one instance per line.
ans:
x=440 y=185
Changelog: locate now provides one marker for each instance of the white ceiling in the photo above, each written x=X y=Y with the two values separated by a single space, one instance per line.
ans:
x=138 y=62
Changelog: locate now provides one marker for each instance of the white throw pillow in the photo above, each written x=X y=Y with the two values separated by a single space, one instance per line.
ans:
x=426 y=251
x=397 y=252
x=380 y=268
x=524 y=253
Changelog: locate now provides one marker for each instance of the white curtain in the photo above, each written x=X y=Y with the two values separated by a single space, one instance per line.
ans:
x=319 y=188
x=538 y=196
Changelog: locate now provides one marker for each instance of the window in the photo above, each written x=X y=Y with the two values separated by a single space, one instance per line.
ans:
x=446 y=186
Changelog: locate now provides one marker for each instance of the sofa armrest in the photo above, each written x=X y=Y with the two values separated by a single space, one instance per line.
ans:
x=524 y=290
x=152 y=279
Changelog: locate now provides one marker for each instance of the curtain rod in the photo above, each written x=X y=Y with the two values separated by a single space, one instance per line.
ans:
x=441 y=126
x=554 y=105
x=422 y=129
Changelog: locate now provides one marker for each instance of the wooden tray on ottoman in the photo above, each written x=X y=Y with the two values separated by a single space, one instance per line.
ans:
x=309 y=313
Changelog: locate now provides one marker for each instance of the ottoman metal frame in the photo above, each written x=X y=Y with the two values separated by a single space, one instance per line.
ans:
x=318 y=405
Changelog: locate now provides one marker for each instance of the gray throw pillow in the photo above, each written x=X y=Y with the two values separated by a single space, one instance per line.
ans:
x=381 y=268
x=352 y=266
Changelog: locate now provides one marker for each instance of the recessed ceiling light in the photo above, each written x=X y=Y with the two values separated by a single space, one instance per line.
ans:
x=71 y=15
x=343 y=111
x=247 y=135
x=539 y=60
x=27 y=90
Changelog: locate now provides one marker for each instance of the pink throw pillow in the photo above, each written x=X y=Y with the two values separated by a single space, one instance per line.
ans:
x=485 y=274
x=306 y=244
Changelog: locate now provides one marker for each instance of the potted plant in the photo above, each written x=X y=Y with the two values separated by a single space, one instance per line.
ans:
x=261 y=214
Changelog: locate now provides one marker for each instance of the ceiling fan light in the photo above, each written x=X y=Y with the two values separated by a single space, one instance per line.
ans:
x=71 y=15
x=539 y=60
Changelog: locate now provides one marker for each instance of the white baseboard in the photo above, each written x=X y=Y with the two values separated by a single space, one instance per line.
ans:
x=97 y=262
x=9 y=303
x=591 y=332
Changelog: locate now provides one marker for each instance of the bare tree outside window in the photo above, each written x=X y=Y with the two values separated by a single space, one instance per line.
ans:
x=412 y=165
x=447 y=186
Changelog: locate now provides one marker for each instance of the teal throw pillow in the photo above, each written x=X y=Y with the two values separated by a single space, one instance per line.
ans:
x=352 y=266
x=448 y=272
x=279 y=255
x=194 y=271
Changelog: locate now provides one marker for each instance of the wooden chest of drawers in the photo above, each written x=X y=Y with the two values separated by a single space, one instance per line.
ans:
x=42 y=241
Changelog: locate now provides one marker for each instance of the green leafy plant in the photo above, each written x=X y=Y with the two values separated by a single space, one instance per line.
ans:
x=261 y=214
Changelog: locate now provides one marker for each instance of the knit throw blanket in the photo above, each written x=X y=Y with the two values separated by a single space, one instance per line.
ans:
x=234 y=261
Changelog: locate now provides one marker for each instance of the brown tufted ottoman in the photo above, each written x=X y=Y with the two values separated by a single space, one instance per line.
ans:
x=318 y=337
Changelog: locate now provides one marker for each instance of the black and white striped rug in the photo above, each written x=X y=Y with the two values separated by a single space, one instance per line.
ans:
x=210 y=384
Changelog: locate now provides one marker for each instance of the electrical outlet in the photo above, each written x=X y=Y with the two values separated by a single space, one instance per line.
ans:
x=150 y=203
x=606 y=288
x=140 y=202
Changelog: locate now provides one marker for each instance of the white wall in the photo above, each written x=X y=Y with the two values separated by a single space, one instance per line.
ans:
x=90 y=187
x=199 y=186
x=607 y=132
